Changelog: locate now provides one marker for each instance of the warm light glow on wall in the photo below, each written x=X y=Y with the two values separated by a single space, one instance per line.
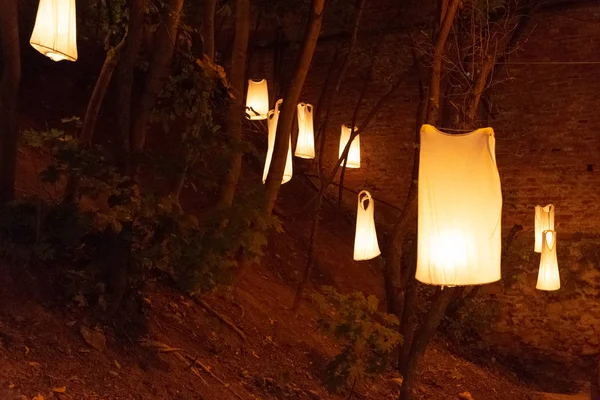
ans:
x=305 y=145
x=257 y=99
x=354 y=154
x=459 y=208
x=548 y=276
x=366 y=246
x=55 y=31
x=544 y=221
x=272 y=119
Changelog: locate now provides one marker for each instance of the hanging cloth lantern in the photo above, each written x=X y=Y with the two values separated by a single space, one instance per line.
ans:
x=544 y=221
x=273 y=118
x=548 y=276
x=354 y=153
x=55 y=31
x=257 y=100
x=460 y=208
x=305 y=145
x=366 y=246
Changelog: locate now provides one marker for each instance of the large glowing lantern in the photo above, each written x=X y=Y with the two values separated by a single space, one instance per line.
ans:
x=366 y=246
x=305 y=145
x=354 y=153
x=548 y=276
x=257 y=99
x=272 y=119
x=544 y=221
x=459 y=208
x=55 y=31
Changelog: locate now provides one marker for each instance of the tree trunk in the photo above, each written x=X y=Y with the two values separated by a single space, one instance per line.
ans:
x=208 y=28
x=125 y=71
x=290 y=99
x=164 y=45
x=236 y=107
x=9 y=91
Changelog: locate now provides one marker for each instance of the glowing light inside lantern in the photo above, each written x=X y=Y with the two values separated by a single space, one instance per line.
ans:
x=257 y=100
x=305 y=145
x=544 y=221
x=354 y=153
x=55 y=30
x=366 y=245
x=548 y=275
x=273 y=118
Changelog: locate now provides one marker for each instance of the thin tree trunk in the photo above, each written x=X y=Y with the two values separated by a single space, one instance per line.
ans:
x=236 y=107
x=125 y=71
x=9 y=91
x=162 y=53
x=208 y=28
x=290 y=99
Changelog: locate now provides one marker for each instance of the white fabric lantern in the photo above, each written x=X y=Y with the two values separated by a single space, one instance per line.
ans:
x=55 y=31
x=366 y=245
x=257 y=99
x=272 y=119
x=305 y=145
x=544 y=221
x=460 y=208
x=354 y=153
x=548 y=276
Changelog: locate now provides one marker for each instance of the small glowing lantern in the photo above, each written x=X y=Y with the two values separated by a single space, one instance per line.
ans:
x=354 y=153
x=272 y=119
x=548 y=276
x=305 y=146
x=544 y=221
x=257 y=100
x=55 y=31
x=459 y=208
x=366 y=246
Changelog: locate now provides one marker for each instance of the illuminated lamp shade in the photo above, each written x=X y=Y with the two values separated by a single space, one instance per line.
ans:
x=55 y=31
x=354 y=153
x=257 y=100
x=272 y=119
x=544 y=221
x=305 y=145
x=459 y=208
x=548 y=276
x=366 y=246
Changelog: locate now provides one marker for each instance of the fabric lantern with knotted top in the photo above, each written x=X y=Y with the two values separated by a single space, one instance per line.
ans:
x=305 y=145
x=354 y=153
x=55 y=31
x=366 y=245
x=272 y=119
x=257 y=99
x=459 y=208
x=544 y=221
x=548 y=275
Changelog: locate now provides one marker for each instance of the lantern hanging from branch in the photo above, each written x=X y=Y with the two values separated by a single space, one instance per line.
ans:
x=55 y=31
x=544 y=221
x=305 y=145
x=272 y=119
x=548 y=276
x=257 y=99
x=459 y=208
x=354 y=153
x=366 y=245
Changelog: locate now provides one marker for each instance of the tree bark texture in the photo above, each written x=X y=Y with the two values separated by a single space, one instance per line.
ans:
x=208 y=28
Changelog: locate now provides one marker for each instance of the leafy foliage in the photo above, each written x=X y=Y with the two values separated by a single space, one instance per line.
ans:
x=369 y=336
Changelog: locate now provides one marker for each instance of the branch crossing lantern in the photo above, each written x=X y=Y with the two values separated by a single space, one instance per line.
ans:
x=366 y=245
x=459 y=208
x=55 y=31
x=305 y=145
x=257 y=99
x=354 y=153
x=548 y=275
x=544 y=221
x=273 y=118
